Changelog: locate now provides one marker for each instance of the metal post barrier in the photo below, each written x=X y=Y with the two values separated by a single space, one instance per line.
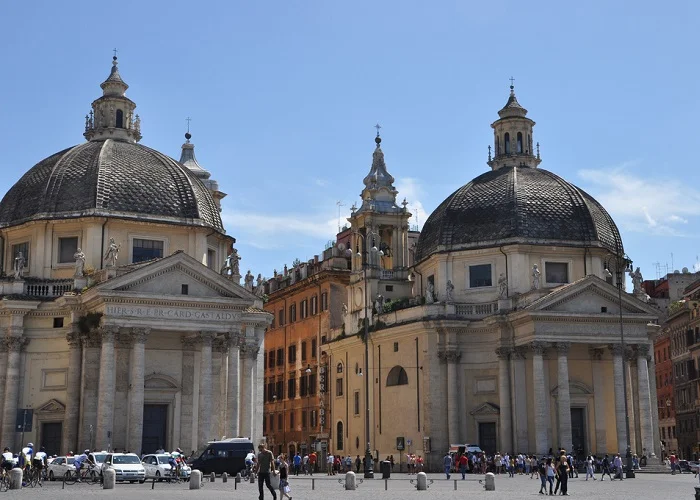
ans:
x=313 y=484
x=386 y=484
x=455 y=485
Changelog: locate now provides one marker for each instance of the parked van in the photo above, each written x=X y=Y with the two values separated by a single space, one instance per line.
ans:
x=227 y=456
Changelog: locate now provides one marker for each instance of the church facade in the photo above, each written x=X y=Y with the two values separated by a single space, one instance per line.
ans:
x=503 y=326
x=121 y=328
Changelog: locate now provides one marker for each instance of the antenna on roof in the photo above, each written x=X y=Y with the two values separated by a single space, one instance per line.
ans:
x=340 y=204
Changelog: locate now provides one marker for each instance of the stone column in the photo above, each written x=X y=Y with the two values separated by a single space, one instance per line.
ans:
x=14 y=345
x=106 y=389
x=187 y=399
x=90 y=373
x=646 y=418
x=520 y=398
x=3 y=377
x=205 y=388
x=452 y=357
x=259 y=385
x=69 y=438
x=249 y=353
x=232 y=386
x=539 y=390
x=599 y=390
x=136 y=388
x=218 y=399
x=632 y=400
x=505 y=419
x=654 y=403
x=563 y=396
x=619 y=381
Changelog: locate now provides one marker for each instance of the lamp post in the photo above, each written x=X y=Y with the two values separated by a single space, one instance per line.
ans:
x=308 y=402
x=623 y=263
x=368 y=472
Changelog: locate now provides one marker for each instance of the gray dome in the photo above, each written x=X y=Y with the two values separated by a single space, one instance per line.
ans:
x=110 y=178
x=513 y=205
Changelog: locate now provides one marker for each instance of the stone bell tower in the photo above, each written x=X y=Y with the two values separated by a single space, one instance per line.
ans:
x=112 y=115
x=379 y=245
x=512 y=137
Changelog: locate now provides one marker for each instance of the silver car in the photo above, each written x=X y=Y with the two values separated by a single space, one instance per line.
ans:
x=59 y=466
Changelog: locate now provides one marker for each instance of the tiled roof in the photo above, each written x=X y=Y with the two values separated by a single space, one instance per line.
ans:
x=110 y=178
x=517 y=205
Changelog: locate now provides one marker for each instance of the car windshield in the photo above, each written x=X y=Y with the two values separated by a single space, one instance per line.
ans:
x=100 y=457
x=70 y=460
x=163 y=460
x=126 y=459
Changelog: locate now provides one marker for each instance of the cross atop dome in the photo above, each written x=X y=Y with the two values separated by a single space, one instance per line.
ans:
x=112 y=115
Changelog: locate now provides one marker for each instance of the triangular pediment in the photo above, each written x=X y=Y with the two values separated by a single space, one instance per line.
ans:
x=52 y=406
x=166 y=277
x=590 y=295
x=486 y=409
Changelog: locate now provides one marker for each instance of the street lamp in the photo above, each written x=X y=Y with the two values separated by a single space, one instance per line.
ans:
x=623 y=263
x=308 y=402
x=369 y=472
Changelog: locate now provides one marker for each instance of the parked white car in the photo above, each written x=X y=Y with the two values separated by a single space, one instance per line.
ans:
x=127 y=466
x=59 y=466
x=157 y=465
x=98 y=458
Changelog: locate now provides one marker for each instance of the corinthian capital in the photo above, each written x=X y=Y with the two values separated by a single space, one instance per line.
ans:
x=206 y=338
x=563 y=348
x=617 y=349
x=250 y=350
x=503 y=352
x=109 y=333
x=642 y=350
x=538 y=348
x=596 y=353
x=15 y=344
x=140 y=335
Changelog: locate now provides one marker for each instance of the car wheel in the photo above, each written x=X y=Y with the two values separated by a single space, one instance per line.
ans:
x=132 y=482
x=158 y=478
x=51 y=478
x=141 y=481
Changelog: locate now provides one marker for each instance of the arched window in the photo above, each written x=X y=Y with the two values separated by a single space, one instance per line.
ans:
x=339 y=436
x=529 y=144
x=339 y=368
x=506 y=141
x=520 y=142
x=120 y=119
x=397 y=376
x=498 y=145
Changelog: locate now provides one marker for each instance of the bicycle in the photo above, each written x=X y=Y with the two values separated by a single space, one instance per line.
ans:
x=4 y=480
x=88 y=474
x=33 y=477
x=173 y=476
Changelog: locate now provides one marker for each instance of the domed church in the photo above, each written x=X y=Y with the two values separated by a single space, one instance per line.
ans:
x=125 y=326
x=501 y=326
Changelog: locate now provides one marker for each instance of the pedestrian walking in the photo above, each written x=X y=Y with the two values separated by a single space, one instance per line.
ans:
x=284 y=478
x=564 y=475
x=463 y=461
x=550 y=475
x=542 y=474
x=265 y=467
x=447 y=464
x=605 y=467
x=589 y=467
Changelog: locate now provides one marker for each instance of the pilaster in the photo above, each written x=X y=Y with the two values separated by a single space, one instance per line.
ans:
x=601 y=438
x=14 y=344
x=106 y=390
x=69 y=438
x=520 y=398
x=187 y=404
x=206 y=340
x=619 y=381
x=564 y=396
x=504 y=399
x=138 y=337
x=539 y=398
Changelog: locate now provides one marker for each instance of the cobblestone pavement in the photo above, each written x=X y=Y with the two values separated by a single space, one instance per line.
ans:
x=649 y=486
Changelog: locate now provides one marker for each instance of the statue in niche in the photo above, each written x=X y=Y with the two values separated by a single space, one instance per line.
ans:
x=535 y=277
x=430 y=293
x=502 y=286
x=449 y=292
x=79 y=257
x=248 y=281
x=112 y=253
x=20 y=262
x=636 y=281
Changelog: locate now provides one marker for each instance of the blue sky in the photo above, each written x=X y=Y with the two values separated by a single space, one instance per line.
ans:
x=283 y=97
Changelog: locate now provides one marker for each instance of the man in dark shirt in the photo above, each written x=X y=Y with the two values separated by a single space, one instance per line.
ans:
x=265 y=466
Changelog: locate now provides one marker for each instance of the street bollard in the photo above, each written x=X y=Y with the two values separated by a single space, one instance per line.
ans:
x=16 y=479
x=313 y=484
x=196 y=480
x=109 y=477
x=350 y=481
x=455 y=484
x=224 y=477
x=252 y=479
x=490 y=482
x=422 y=481
x=212 y=477
x=697 y=493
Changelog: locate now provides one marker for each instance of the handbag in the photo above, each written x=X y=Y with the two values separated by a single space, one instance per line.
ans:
x=287 y=489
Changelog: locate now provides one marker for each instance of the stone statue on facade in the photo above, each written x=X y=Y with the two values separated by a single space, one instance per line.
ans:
x=535 y=277
x=430 y=293
x=379 y=304
x=449 y=292
x=345 y=311
x=502 y=286
x=79 y=257
x=20 y=262
x=260 y=287
x=231 y=264
x=112 y=253
x=636 y=281
x=248 y=281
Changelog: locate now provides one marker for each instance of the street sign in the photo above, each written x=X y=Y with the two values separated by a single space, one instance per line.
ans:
x=400 y=443
x=24 y=420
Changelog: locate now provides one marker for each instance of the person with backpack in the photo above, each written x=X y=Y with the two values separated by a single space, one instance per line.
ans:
x=605 y=468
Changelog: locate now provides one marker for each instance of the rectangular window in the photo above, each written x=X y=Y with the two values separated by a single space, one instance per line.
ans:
x=280 y=422
x=67 y=247
x=272 y=423
x=270 y=391
x=314 y=419
x=16 y=249
x=303 y=351
x=396 y=347
x=312 y=384
x=303 y=419
x=280 y=357
x=58 y=322
x=313 y=348
x=185 y=289
x=291 y=420
x=292 y=354
x=211 y=259
x=302 y=386
x=324 y=301
x=389 y=288
x=480 y=276
x=556 y=272
x=281 y=317
x=356 y=405
x=279 y=390
x=272 y=325
x=147 y=250
x=314 y=305
x=291 y=388
x=339 y=386
x=292 y=313
x=271 y=359
x=304 y=306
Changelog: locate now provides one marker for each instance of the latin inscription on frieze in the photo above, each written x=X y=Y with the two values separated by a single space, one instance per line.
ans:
x=170 y=313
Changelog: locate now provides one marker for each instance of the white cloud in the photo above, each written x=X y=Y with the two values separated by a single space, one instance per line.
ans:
x=410 y=189
x=644 y=204
x=269 y=231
